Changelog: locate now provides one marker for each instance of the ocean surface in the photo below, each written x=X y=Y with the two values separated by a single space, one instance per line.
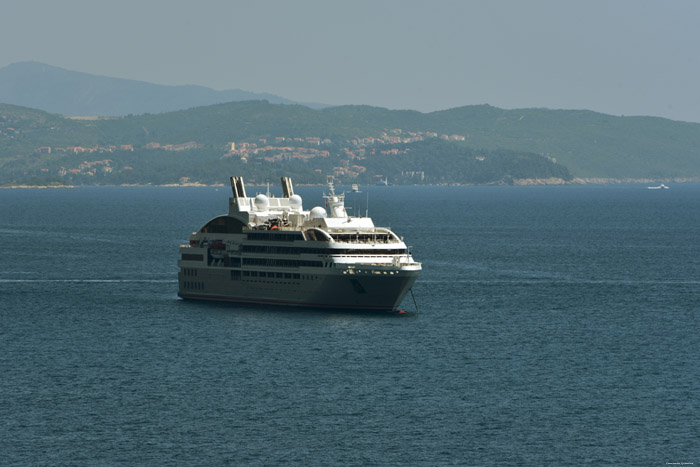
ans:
x=554 y=326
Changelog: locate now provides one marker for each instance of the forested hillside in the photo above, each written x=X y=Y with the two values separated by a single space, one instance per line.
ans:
x=474 y=144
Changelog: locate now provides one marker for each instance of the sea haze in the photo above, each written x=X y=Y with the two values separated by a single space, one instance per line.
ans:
x=555 y=325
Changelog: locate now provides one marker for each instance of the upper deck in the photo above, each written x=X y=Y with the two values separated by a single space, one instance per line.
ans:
x=262 y=212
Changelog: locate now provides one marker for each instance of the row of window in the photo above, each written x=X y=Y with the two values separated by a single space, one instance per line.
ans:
x=282 y=250
x=278 y=237
x=191 y=257
x=227 y=262
x=190 y=272
x=245 y=275
x=279 y=250
x=281 y=263
x=192 y=285
x=363 y=238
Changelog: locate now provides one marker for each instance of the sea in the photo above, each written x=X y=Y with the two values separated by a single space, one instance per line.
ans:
x=552 y=325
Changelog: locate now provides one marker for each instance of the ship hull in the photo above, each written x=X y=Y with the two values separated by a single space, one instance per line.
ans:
x=377 y=292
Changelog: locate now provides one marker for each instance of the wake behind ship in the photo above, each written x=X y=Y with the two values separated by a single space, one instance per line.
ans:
x=269 y=250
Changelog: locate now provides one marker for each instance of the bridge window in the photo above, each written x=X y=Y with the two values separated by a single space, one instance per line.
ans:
x=223 y=224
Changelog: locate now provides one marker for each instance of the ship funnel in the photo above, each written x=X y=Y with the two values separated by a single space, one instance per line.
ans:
x=287 y=188
x=238 y=187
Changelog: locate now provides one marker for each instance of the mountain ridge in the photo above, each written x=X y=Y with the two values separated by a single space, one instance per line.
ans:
x=58 y=90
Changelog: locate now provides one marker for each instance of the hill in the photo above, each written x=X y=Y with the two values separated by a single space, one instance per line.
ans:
x=590 y=144
x=473 y=144
x=56 y=90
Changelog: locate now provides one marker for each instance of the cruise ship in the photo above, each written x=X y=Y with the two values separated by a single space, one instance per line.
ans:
x=269 y=250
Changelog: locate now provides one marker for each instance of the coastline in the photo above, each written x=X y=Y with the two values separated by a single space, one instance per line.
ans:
x=37 y=186
x=516 y=182
x=601 y=181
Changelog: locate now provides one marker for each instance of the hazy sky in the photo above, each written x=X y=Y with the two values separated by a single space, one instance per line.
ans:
x=623 y=57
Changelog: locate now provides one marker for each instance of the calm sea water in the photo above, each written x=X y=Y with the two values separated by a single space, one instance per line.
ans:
x=555 y=326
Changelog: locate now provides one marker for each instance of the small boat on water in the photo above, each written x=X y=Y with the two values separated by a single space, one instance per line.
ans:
x=660 y=187
x=355 y=188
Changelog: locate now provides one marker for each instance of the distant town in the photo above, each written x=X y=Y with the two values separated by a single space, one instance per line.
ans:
x=269 y=150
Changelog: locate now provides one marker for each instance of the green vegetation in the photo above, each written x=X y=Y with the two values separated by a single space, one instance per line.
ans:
x=435 y=161
x=489 y=145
